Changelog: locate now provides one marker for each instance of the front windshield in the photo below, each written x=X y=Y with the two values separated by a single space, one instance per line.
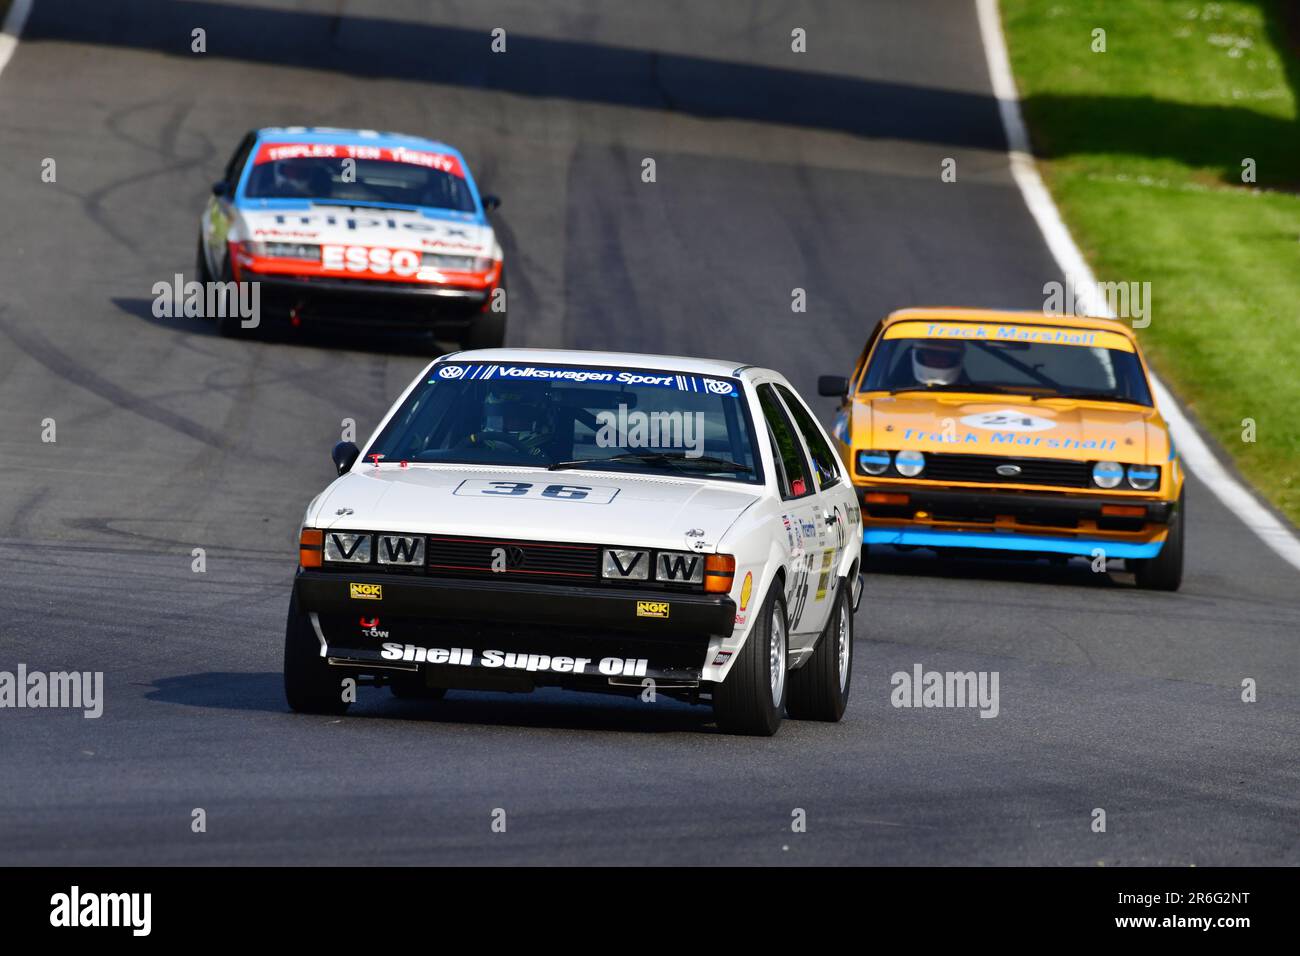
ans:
x=358 y=175
x=615 y=419
x=1039 y=361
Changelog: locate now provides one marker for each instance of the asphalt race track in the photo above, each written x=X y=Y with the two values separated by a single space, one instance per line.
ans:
x=775 y=170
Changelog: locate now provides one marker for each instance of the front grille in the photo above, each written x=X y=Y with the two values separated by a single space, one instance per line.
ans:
x=503 y=558
x=1055 y=472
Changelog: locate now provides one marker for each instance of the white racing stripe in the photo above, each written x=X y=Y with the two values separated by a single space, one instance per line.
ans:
x=1195 y=453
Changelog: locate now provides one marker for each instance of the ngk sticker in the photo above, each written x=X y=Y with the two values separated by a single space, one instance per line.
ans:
x=374 y=260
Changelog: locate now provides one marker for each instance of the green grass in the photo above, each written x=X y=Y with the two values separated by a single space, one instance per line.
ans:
x=1142 y=148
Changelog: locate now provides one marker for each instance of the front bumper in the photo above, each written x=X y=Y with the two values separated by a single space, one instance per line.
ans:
x=1049 y=523
x=463 y=632
x=376 y=304
x=917 y=537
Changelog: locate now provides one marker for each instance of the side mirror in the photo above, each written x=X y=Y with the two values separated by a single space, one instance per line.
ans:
x=345 y=456
x=219 y=187
x=490 y=201
x=833 y=386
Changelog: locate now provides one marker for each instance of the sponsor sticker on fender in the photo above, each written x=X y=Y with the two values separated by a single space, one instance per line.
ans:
x=370 y=260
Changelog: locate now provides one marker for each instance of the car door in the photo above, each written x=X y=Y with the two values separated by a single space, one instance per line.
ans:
x=836 y=504
x=803 y=529
x=219 y=211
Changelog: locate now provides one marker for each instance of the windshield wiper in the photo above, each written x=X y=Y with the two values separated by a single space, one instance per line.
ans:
x=932 y=388
x=971 y=387
x=655 y=458
x=1096 y=397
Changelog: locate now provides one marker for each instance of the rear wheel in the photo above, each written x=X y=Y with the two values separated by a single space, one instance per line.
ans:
x=820 y=689
x=751 y=700
x=310 y=685
x=1164 y=572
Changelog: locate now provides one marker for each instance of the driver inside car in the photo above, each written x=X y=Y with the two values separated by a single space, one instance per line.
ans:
x=518 y=418
x=937 y=362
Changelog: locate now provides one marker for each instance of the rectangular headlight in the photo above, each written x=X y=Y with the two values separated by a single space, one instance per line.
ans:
x=679 y=567
x=307 y=251
x=623 y=564
x=447 y=263
x=347 y=546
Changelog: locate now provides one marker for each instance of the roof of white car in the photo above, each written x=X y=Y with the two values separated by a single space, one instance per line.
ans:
x=581 y=357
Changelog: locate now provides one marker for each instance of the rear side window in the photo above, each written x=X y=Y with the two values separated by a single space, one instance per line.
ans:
x=823 y=458
x=789 y=453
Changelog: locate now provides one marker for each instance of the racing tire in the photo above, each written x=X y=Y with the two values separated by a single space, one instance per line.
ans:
x=1164 y=572
x=201 y=271
x=411 y=687
x=487 y=330
x=310 y=685
x=820 y=689
x=751 y=701
x=230 y=326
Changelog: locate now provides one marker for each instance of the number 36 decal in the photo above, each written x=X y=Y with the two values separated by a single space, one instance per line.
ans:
x=588 y=494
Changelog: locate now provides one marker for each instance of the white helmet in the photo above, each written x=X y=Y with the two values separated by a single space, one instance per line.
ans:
x=937 y=363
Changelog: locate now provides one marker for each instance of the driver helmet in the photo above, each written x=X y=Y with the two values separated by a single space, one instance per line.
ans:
x=937 y=362
x=292 y=176
x=522 y=412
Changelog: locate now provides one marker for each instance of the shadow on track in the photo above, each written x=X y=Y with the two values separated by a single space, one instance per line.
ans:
x=353 y=338
x=377 y=48
x=546 y=709
x=1077 y=573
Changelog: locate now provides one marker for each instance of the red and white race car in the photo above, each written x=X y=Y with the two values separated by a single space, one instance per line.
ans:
x=356 y=226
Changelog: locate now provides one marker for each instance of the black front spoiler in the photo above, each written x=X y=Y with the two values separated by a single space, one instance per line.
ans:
x=627 y=611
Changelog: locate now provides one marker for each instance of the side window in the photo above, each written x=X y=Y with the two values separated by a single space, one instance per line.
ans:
x=236 y=164
x=823 y=458
x=788 y=451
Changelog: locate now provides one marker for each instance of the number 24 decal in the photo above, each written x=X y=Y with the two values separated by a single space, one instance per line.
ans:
x=587 y=494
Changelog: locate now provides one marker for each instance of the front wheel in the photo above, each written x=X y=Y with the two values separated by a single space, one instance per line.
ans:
x=487 y=330
x=1164 y=572
x=751 y=701
x=310 y=685
x=820 y=689
x=229 y=322
x=201 y=271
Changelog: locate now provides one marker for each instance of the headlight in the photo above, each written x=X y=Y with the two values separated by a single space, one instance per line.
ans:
x=1143 y=477
x=448 y=263
x=1107 y=474
x=909 y=463
x=291 y=250
x=873 y=462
